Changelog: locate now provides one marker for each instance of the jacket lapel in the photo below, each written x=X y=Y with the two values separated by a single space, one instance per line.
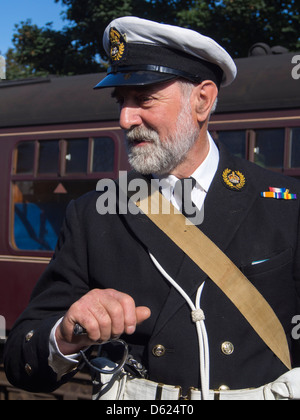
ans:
x=152 y=238
x=225 y=209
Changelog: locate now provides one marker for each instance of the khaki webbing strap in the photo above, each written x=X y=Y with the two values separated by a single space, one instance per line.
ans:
x=221 y=270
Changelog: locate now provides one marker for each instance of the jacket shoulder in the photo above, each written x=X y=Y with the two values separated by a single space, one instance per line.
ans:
x=267 y=178
x=258 y=176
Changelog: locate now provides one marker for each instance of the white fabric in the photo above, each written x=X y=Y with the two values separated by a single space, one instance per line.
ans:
x=141 y=31
x=109 y=388
x=287 y=387
x=59 y=363
x=141 y=389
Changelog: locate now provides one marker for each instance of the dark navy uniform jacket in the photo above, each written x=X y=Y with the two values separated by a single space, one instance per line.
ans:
x=112 y=251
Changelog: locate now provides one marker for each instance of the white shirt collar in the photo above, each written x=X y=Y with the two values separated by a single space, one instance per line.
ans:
x=204 y=174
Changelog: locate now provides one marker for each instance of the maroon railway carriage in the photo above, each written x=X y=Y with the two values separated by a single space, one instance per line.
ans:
x=58 y=137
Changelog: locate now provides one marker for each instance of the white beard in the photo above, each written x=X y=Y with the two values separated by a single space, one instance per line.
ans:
x=159 y=157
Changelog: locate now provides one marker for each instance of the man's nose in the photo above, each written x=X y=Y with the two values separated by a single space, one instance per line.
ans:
x=130 y=117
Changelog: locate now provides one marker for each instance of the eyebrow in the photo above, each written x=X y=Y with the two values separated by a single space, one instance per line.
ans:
x=146 y=89
x=137 y=89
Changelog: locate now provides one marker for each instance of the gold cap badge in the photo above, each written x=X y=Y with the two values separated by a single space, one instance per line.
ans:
x=234 y=180
x=117 y=45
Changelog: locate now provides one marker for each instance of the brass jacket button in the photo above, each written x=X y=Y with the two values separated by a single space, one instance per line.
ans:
x=159 y=350
x=227 y=348
x=224 y=388
x=28 y=369
x=29 y=336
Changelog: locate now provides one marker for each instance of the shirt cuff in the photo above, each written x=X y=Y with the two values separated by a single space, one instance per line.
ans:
x=61 y=364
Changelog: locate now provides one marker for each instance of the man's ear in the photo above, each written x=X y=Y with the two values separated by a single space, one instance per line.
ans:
x=203 y=99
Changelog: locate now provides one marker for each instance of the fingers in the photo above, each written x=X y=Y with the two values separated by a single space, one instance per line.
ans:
x=104 y=314
x=142 y=314
x=122 y=312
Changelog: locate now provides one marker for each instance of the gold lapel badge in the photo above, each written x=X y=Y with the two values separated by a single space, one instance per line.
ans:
x=234 y=180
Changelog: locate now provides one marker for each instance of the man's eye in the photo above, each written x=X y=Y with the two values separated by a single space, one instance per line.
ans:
x=144 y=99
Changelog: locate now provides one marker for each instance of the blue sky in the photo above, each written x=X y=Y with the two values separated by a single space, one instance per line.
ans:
x=15 y=11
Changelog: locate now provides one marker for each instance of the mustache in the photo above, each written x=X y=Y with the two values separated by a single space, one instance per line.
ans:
x=142 y=134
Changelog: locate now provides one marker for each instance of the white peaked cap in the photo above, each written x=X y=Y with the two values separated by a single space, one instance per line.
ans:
x=139 y=47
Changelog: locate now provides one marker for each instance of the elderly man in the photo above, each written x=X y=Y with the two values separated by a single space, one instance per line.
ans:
x=109 y=276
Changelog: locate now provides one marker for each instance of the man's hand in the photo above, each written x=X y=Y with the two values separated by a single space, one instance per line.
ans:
x=104 y=314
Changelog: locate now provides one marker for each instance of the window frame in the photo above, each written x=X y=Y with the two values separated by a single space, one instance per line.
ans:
x=287 y=168
x=252 y=135
x=290 y=148
x=61 y=175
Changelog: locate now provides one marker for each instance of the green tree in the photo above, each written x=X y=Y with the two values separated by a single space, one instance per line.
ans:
x=236 y=24
x=77 y=49
x=90 y=18
x=15 y=70
x=42 y=51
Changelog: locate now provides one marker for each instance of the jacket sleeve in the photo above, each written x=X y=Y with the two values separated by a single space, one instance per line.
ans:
x=64 y=282
x=296 y=330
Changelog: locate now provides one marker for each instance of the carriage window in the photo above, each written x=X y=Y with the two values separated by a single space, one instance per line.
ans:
x=295 y=137
x=103 y=154
x=39 y=209
x=269 y=148
x=235 y=141
x=46 y=176
x=77 y=156
x=49 y=157
x=25 y=158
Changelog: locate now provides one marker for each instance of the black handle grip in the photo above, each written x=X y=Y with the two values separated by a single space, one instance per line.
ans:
x=79 y=330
